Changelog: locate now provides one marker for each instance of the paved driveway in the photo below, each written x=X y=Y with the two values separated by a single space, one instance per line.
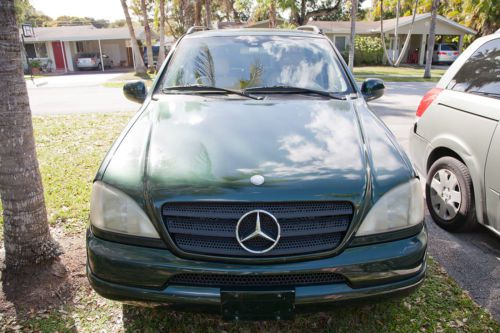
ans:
x=82 y=93
x=472 y=259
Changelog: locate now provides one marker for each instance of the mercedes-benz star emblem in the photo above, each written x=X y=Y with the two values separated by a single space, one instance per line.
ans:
x=258 y=231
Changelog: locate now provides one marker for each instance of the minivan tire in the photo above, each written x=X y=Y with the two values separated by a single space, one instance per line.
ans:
x=465 y=218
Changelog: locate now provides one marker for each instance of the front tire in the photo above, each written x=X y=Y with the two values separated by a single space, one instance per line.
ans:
x=449 y=195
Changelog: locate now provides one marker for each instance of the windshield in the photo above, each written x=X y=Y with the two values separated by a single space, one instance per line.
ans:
x=256 y=61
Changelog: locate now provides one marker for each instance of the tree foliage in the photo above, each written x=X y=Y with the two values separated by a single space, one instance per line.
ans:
x=480 y=15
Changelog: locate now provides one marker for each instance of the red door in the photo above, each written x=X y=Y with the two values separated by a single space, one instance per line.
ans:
x=58 y=55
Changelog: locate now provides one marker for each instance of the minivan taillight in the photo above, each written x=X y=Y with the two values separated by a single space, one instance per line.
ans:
x=428 y=98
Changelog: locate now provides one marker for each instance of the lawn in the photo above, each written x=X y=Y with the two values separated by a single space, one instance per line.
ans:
x=70 y=149
x=119 y=81
x=397 y=74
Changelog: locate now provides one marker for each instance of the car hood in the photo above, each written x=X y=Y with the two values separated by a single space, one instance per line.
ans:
x=193 y=148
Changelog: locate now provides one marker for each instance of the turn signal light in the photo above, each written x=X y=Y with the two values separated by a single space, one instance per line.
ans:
x=427 y=100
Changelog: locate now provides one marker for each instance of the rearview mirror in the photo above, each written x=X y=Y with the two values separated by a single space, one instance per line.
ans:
x=135 y=91
x=372 y=89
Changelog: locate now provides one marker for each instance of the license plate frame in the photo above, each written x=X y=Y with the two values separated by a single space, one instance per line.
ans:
x=258 y=304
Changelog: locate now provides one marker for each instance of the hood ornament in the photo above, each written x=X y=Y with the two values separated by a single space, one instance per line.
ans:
x=258 y=231
x=257 y=180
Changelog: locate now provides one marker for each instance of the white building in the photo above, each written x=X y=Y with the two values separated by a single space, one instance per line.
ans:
x=57 y=47
x=339 y=32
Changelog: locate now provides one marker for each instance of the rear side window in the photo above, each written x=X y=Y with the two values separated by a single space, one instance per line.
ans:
x=480 y=74
x=448 y=47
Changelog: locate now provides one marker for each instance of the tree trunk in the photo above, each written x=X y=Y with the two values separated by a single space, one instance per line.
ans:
x=139 y=63
x=147 y=31
x=161 y=52
x=354 y=10
x=208 y=13
x=432 y=39
x=197 y=12
x=302 y=12
x=272 y=14
x=27 y=236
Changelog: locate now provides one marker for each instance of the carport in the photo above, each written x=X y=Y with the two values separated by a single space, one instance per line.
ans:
x=446 y=29
x=57 y=47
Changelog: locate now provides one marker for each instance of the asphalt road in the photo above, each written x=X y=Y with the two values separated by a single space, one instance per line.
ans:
x=472 y=259
x=78 y=93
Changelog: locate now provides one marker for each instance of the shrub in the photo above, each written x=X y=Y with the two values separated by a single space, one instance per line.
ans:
x=35 y=63
x=368 y=51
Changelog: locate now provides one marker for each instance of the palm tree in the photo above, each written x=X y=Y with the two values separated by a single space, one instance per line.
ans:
x=27 y=236
x=161 y=52
x=272 y=14
x=138 y=62
x=147 y=31
x=354 y=9
x=208 y=13
x=431 y=40
x=197 y=12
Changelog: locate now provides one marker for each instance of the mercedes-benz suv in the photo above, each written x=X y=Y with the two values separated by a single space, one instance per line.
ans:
x=256 y=182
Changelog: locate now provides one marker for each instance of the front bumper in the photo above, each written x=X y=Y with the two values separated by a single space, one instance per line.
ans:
x=139 y=274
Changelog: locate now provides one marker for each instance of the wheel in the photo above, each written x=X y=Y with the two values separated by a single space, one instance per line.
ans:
x=449 y=195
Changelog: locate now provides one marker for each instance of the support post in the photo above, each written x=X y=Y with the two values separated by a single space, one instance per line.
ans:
x=460 y=43
x=64 y=56
x=133 y=55
x=100 y=53
x=421 y=51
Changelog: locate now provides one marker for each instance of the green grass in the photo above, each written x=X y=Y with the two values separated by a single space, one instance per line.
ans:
x=119 y=81
x=70 y=149
x=438 y=306
x=397 y=74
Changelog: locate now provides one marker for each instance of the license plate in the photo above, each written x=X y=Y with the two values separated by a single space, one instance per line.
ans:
x=258 y=305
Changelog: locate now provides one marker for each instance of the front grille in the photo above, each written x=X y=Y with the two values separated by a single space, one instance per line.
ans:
x=210 y=227
x=263 y=280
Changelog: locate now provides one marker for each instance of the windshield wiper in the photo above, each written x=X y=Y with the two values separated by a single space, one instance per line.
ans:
x=200 y=88
x=283 y=89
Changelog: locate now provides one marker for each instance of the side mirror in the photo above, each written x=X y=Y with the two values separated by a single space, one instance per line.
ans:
x=135 y=91
x=372 y=89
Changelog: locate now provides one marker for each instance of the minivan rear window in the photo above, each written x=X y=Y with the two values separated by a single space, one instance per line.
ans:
x=448 y=47
x=480 y=74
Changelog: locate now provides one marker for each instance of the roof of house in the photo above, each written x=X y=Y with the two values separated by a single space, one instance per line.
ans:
x=84 y=32
x=263 y=23
x=368 y=27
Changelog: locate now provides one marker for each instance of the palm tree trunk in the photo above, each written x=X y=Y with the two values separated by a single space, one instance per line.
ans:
x=161 y=52
x=147 y=31
x=272 y=14
x=197 y=12
x=354 y=10
x=27 y=236
x=431 y=40
x=139 y=63
x=208 y=13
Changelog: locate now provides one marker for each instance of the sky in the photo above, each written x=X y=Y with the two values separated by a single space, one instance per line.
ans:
x=98 y=9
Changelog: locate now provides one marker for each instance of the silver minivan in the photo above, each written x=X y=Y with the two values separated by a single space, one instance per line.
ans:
x=455 y=141
x=445 y=53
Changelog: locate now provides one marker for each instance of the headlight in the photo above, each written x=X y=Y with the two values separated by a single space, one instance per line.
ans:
x=112 y=210
x=400 y=208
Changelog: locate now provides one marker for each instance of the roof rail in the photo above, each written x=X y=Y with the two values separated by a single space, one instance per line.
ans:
x=312 y=28
x=195 y=28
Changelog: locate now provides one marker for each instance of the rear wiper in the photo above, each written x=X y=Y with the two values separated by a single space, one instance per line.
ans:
x=283 y=89
x=208 y=89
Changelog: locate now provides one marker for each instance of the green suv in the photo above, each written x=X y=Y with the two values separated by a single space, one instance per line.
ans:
x=255 y=182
